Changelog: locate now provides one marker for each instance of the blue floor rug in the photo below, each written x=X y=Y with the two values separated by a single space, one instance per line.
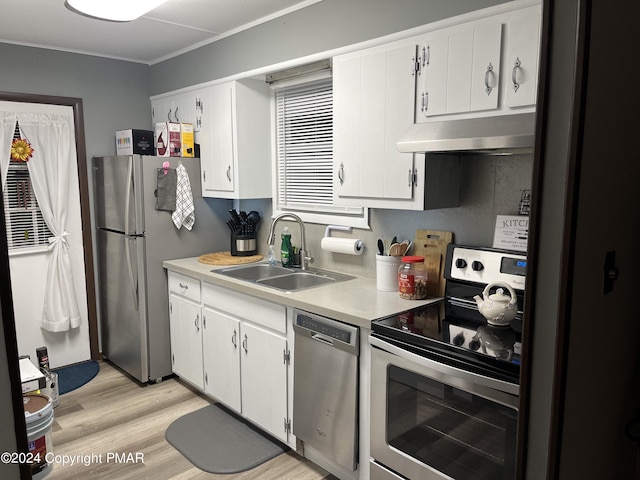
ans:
x=74 y=376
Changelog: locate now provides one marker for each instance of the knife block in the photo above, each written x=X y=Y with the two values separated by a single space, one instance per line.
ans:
x=243 y=245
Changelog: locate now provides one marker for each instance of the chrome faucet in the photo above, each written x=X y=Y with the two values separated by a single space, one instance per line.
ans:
x=304 y=258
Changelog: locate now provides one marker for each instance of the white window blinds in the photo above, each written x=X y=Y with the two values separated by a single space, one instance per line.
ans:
x=24 y=222
x=305 y=146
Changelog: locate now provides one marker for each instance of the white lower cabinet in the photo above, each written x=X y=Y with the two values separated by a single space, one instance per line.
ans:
x=221 y=346
x=264 y=379
x=185 y=320
x=234 y=348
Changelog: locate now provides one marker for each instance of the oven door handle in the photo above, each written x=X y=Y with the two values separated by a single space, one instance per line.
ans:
x=458 y=375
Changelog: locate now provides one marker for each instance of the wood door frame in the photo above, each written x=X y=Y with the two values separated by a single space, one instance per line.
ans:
x=85 y=213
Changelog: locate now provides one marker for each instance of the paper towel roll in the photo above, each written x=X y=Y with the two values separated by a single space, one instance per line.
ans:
x=342 y=245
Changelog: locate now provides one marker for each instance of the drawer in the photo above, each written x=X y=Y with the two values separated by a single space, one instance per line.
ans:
x=246 y=307
x=186 y=286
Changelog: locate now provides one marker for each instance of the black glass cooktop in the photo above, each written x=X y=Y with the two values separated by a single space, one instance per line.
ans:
x=456 y=335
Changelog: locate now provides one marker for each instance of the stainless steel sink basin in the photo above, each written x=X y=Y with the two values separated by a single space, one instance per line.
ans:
x=295 y=281
x=285 y=279
x=253 y=272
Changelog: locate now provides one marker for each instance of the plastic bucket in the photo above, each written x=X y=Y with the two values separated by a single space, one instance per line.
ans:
x=38 y=412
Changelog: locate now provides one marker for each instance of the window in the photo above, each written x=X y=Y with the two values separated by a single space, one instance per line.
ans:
x=304 y=155
x=24 y=222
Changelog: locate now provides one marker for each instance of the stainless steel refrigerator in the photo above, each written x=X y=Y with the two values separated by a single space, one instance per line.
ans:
x=133 y=238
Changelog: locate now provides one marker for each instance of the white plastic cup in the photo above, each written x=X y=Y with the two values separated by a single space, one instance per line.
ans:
x=387 y=272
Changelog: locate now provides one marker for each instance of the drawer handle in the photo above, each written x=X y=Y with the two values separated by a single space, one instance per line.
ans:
x=186 y=287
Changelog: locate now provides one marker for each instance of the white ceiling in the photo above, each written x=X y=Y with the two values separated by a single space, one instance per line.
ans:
x=170 y=29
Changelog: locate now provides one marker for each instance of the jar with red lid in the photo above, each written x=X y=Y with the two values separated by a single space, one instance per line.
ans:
x=412 y=278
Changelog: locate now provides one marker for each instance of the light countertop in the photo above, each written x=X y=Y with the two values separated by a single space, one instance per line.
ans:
x=356 y=301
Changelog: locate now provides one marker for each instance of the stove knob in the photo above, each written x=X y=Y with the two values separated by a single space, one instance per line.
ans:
x=461 y=263
x=474 y=344
x=477 y=266
x=458 y=340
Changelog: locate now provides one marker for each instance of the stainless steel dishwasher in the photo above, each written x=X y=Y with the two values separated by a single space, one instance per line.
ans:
x=325 y=387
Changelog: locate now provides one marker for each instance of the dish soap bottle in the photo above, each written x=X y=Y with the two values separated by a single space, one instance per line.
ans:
x=286 y=250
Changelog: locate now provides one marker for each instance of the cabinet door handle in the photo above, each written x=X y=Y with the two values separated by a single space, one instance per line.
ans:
x=204 y=175
x=487 y=87
x=425 y=102
x=197 y=322
x=410 y=177
x=244 y=344
x=169 y=115
x=229 y=173
x=426 y=53
x=514 y=75
x=234 y=339
x=175 y=115
x=415 y=66
x=341 y=173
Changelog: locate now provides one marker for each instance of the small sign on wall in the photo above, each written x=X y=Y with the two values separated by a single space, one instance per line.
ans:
x=512 y=232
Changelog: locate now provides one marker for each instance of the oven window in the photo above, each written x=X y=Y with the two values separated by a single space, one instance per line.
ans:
x=459 y=434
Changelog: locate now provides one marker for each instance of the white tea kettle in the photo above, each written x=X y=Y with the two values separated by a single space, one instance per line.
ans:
x=498 y=308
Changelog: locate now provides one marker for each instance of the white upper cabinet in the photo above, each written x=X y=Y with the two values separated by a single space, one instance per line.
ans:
x=231 y=123
x=523 y=57
x=458 y=70
x=482 y=67
x=236 y=141
x=373 y=93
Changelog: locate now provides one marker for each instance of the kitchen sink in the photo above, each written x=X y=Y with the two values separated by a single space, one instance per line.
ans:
x=281 y=278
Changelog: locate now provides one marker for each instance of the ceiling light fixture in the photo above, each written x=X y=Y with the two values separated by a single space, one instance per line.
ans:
x=113 y=10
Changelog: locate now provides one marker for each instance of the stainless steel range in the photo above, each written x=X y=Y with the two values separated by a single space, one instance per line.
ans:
x=445 y=382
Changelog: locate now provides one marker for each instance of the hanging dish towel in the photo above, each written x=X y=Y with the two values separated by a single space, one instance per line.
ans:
x=185 y=215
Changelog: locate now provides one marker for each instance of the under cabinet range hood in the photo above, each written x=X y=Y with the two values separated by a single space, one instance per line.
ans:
x=499 y=135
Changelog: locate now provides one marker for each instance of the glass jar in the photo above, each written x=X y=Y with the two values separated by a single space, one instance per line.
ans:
x=412 y=278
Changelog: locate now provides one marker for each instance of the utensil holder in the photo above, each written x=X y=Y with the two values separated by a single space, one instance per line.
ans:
x=387 y=272
x=243 y=245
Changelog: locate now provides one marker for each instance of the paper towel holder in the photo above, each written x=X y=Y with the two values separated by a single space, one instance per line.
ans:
x=359 y=244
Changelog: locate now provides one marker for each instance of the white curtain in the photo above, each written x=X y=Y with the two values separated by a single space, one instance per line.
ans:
x=7 y=127
x=52 y=138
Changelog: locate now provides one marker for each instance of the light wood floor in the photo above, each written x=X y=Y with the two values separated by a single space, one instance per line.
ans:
x=115 y=414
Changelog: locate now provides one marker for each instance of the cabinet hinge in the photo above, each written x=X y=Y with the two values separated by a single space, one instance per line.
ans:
x=287 y=425
x=286 y=356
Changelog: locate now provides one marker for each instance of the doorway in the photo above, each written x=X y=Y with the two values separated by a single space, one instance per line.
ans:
x=85 y=338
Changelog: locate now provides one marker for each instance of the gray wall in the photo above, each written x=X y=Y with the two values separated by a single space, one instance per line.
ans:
x=320 y=27
x=115 y=94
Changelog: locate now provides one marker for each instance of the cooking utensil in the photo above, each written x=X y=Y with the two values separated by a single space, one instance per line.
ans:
x=254 y=217
x=380 y=247
x=398 y=249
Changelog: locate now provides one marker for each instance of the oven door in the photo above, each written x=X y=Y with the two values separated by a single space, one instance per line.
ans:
x=433 y=421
